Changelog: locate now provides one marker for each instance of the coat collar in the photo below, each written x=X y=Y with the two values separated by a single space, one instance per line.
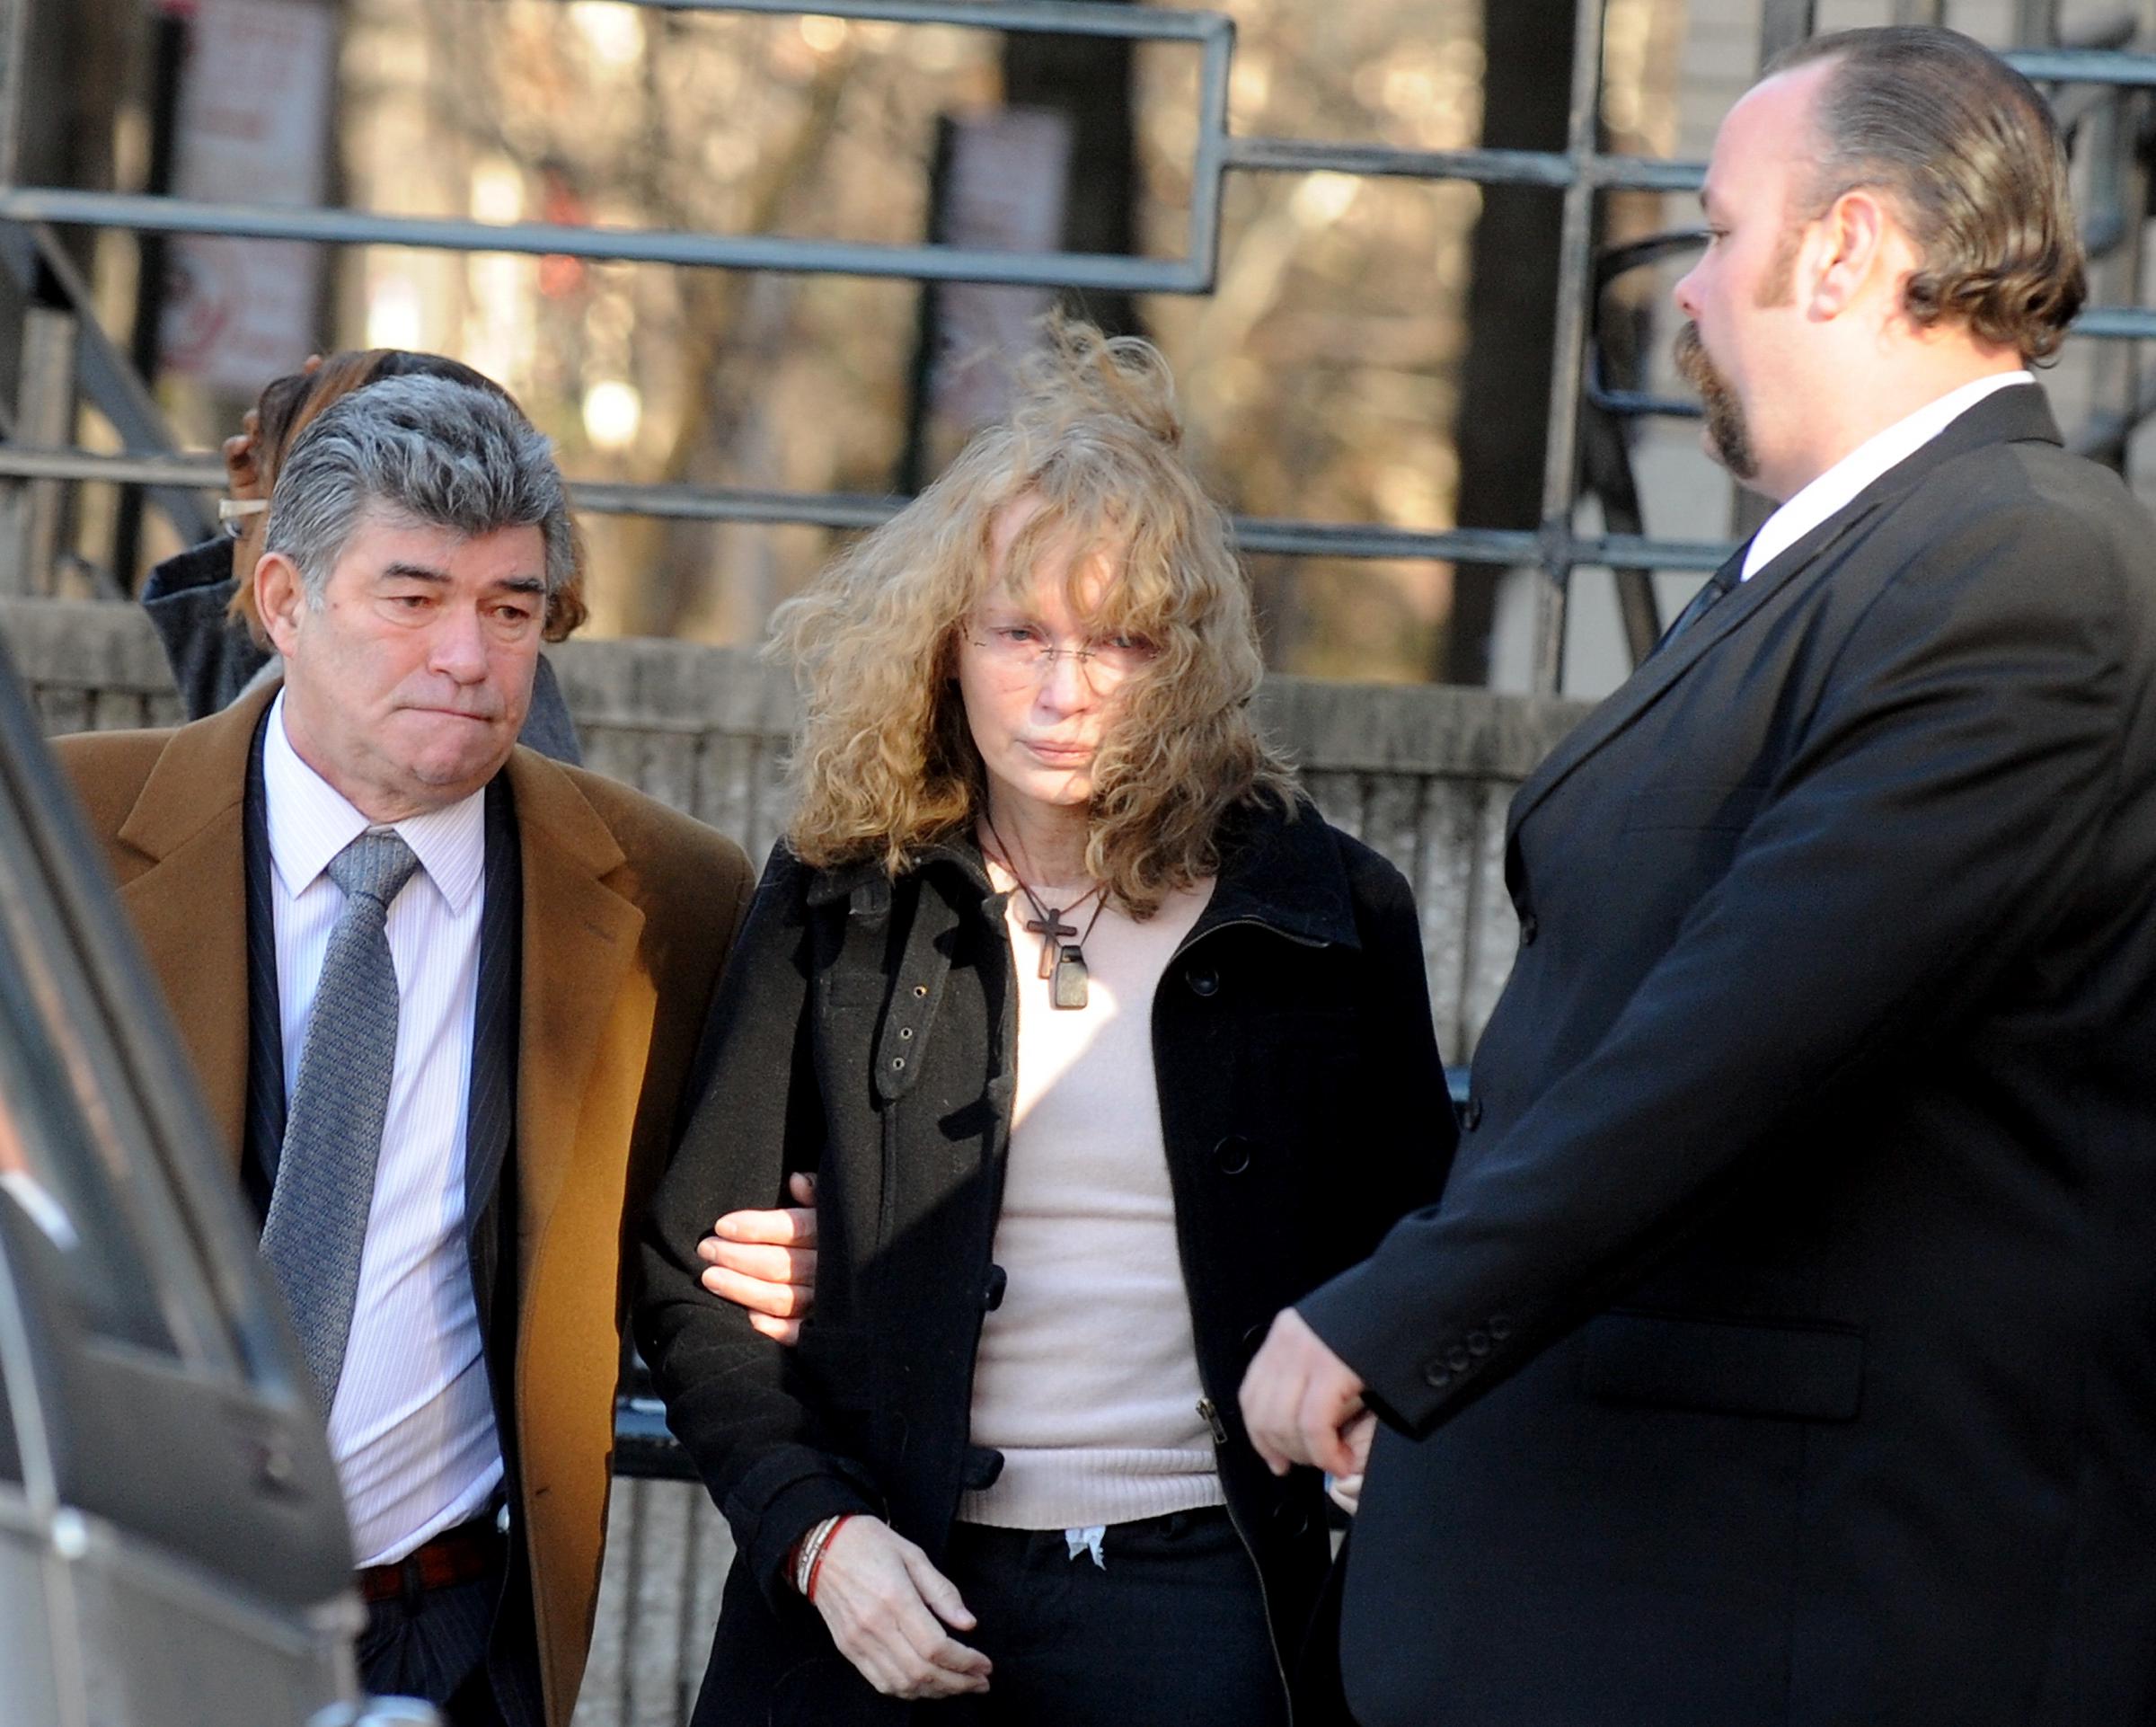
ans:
x=188 y=904
x=2017 y=415
x=1278 y=869
x=199 y=780
x=580 y=936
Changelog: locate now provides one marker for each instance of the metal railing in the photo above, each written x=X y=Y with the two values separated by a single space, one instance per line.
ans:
x=1583 y=171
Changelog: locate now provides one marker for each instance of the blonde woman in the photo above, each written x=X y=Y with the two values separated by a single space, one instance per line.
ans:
x=1104 y=1048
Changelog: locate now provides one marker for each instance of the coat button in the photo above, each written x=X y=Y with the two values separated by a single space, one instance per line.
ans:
x=1203 y=980
x=1471 y=1113
x=1437 y=1376
x=1529 y=929
x=1292 y=1517
x=1477 y=1343
x=1232 y=1154
x=992 y=1287
x=1500 y=1326
x=1458 y=1358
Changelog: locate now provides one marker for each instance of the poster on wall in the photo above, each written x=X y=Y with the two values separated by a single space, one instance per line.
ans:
x=253 y=127
x=1001 y=191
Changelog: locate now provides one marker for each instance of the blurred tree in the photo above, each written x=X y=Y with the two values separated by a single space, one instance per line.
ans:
x=1511 y=311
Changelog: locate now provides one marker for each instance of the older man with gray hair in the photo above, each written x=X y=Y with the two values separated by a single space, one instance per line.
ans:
x=442 y=995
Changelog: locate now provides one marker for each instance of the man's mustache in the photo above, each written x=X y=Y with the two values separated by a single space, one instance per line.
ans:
x=1689 y=354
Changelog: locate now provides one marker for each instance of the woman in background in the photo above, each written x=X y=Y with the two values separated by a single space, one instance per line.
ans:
x=1103 y=1046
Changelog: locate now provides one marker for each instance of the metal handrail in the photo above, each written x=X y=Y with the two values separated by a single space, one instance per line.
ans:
x=839 y=509
x=1583 y=171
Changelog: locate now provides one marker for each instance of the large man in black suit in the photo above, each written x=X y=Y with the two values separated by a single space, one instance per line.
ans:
x=1784 y=1347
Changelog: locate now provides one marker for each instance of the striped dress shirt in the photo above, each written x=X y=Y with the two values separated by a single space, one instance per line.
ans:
x=413 y=1427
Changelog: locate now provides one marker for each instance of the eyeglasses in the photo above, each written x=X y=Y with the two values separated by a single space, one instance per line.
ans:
x=234 y=514
x=1023 y=651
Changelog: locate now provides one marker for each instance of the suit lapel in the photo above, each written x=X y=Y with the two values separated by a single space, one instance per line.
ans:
x=2013 y=414
x=190 y=906
x=579 y=938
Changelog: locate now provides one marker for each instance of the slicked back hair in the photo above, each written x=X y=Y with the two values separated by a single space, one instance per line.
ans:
x=1969 y=155
x=421 y=450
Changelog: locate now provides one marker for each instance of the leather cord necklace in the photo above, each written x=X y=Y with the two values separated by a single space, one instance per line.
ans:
x=1062 y=963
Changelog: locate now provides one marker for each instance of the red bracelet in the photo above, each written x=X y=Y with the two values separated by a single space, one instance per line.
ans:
x=816 y=1564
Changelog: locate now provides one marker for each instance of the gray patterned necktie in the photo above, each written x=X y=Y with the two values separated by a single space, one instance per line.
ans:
x=325 y=1172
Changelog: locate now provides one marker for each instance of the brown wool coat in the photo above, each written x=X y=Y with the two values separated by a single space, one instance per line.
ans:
x=629 y=912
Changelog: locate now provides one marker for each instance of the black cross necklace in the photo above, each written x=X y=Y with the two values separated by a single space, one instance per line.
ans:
x=1062 y=963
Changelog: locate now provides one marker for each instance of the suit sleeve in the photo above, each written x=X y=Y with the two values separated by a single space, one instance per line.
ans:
x=731 y=1393
x=1922 y=838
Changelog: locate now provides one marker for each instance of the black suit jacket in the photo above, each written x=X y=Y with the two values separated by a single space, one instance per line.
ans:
x=1783 y=1349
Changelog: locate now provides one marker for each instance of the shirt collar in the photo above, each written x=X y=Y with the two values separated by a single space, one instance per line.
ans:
x=310 y=821
x=1839 y=484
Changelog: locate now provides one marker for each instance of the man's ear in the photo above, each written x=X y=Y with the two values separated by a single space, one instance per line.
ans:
x=279 y=597
x=1851 y=250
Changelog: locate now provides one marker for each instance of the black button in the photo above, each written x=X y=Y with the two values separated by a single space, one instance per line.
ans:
x=1458 y=1358
x=1437 y=1376
x=1254 y=1335
x=1232 y=1154
x=1529 y=929
x=1292 y=1517
x=992 y=1290
x=1471 y=1113
x=1501 y=1328
x=1203 y=980
x=1477 y=1342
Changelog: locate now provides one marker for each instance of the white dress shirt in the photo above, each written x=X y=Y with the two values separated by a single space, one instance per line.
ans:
x=1838 y=485
x=413 y=1427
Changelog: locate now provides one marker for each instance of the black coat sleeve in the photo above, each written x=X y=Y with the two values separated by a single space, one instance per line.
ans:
x=1920 y=837
x=732 y=1395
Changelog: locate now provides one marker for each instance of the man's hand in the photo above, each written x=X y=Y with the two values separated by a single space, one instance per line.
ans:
x=1346 y=1491
x=765 y=1262
x=1298 y=1397
x=886 y=1607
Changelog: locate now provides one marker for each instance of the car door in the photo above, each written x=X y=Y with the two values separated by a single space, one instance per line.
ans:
x=174 y=1547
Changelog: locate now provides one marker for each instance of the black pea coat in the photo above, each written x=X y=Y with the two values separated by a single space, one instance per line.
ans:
x=866 y=1031
x=1783 y=1349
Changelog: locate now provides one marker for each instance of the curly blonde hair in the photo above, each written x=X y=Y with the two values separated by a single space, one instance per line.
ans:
x=885 y=762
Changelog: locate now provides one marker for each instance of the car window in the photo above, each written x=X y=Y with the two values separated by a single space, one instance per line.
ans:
x=53 y=1176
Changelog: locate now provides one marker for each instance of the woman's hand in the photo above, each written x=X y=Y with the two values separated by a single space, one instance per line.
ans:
x=887 y=1607
x=765 y=1262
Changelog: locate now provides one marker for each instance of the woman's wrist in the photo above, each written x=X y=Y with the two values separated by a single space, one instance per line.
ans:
x=808 y=1557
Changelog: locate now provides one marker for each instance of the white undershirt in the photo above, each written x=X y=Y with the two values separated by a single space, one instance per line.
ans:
x=1838 y=487
x=412 y=1428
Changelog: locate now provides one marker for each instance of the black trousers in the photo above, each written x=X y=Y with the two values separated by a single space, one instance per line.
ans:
x=1170 y=1632
x=432 y=1644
